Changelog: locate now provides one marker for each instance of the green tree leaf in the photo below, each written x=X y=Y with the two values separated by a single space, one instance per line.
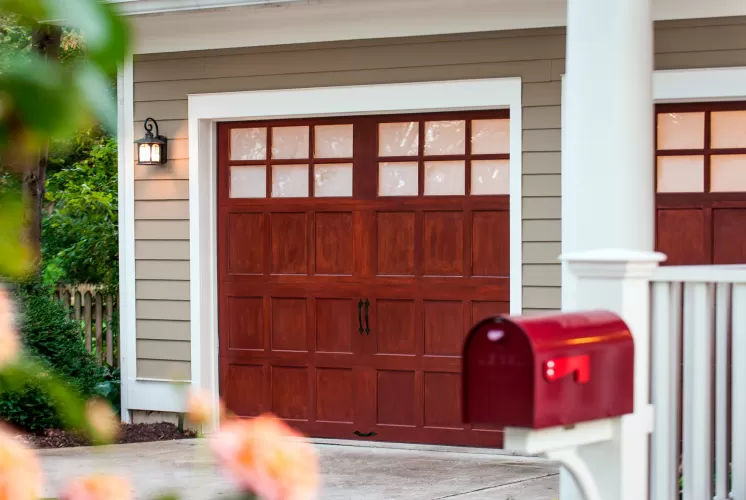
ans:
x=14 y=257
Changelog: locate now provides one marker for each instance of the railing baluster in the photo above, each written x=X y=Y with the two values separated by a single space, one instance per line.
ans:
x=722 y=318
x=666 y=321
x=87 y=319
x=738 y=419
x=697 y=446
x=109 y=330
x=99 y=328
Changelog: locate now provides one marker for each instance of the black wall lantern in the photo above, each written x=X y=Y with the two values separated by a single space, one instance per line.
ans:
x=151 y=149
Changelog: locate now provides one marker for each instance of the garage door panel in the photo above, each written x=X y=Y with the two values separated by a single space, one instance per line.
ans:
x=700 y=212
x=490 y=243
x=395 y=326
x=442 y=401
x=245 y=323
x=481 y=309
x=333 y=243
x=729 y=236
x=289 y=324
x=681 y=236
x=344 y=311
x=335 y=389
x=443 y=327
x=335 y=325
x=289 y=239
x=395 y=396
x=290 y=392
x=243 y=258
x=395 y=243
x=244 y=389
x=443 y=248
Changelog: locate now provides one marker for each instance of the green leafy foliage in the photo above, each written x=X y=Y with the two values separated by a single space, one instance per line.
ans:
x=45 y=100
x=79 y=233
x=13 y=254
x=110 y=387
x=45 y=390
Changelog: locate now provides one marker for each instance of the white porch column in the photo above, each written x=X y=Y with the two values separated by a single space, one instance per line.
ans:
x=607 y=130
x=608 y=207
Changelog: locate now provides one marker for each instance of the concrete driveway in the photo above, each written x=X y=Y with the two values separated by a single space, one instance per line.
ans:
x=363 y=472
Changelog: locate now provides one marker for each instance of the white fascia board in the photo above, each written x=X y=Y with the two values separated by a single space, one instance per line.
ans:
x=308 y=21
x=144 y=7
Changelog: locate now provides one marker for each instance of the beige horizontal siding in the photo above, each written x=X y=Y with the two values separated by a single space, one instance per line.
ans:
x=454 y=51
x=166 y=189
x=541 y=252
x=542 y=230
x=163 y=369
x=163 y=82
x=542 y=140
x=164 y=290
x=542 y=275
x=162 y=249
x=163 y=329
x=543 y=162
x=542 y=297
x=530 y=71
x=161 y=210
x=163 y=309
x=175 y=350
x=173 y=170
x=542 y=117
x=177 y=270
x=542 y=208
x=162 y=229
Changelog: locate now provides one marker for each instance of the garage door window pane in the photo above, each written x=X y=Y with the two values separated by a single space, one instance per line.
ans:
x=248 y=144
x=333 y=141
x=728 y=129
x=444 y=178
x=289 y=142
x=681 y=174
x=290 y=181
x=445 y=138
x=681 y=131
x=333 y=180
x=397 y=179
x=490 y=137
x=398 y=139
x=490 y=177
x=728 y=173
x=249 y=182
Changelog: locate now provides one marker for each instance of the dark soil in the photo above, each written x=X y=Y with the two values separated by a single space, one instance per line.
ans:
x=130 y=433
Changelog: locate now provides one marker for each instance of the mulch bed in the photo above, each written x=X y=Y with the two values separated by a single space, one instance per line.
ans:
x=130 y=433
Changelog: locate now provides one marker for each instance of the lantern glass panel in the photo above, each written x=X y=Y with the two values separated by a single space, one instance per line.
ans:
x=144 y=154
x=155 y=153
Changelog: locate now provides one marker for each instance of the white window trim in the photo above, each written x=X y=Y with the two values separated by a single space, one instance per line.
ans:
x=677 y=85
x=206 y=110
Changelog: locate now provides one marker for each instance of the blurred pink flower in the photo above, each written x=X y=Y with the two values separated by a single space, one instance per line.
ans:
x=97 y=487
x=102 y=420
x=200 y=408
x=20 y=472
x=9 y=343
x=268 y=458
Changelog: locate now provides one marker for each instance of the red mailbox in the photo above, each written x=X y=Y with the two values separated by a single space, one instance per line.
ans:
x=546 y=371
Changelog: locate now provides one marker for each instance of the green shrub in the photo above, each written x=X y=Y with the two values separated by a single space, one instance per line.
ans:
x=54 y=341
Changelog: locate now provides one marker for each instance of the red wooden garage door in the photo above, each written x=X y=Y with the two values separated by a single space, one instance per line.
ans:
x=354 y=254
x=701 y=183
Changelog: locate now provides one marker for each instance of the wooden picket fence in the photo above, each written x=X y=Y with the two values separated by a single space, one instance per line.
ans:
x=96 y=311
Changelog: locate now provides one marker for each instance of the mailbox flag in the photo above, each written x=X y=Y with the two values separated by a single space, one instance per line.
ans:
x=561 y=367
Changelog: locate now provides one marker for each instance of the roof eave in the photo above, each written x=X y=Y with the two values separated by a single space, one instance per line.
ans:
x=144 y=7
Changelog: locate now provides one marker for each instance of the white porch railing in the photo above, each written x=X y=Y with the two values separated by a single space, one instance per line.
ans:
x=698 y=383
